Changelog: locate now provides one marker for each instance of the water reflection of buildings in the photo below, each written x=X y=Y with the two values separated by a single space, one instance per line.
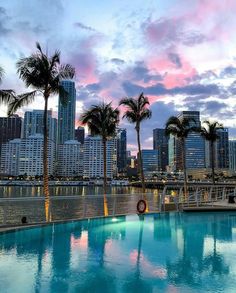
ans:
x=200 y=259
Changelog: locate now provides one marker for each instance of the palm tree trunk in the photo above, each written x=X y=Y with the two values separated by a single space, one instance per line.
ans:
x=45 y=147
x=184 y=168
x=140 y=160
x=212 y=161
x=104 y=165
x=105 y=176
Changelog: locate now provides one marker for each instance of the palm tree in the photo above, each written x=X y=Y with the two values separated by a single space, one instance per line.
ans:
x=136 y=113
x=44 y=75
x=102 y=120
x=180 y=128
x=5 y=95
x=209 y=132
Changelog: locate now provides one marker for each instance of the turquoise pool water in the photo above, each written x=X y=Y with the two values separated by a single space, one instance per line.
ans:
x=172 y=252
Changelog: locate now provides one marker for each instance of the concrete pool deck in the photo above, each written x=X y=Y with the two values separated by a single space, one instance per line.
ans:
x=222 y=205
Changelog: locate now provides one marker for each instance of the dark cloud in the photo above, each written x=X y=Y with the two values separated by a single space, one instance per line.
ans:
x=228 y=71
x=84 y=27
x=117 y=61
x=4 y=18
x=165 y=32
x=159 y=89
x=175 y=59
x=93 y=87
x=140 y=72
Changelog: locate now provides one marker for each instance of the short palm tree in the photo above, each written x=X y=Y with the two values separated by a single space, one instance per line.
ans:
x=209 y=132
x=180 y=128
x=102 y=120
x=44 y=75
x=136 y=112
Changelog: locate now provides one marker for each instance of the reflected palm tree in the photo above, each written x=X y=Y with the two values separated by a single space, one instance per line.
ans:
x=135 y=282
x=191 y=269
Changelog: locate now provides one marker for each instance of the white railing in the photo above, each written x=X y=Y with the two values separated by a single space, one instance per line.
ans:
x=196 y=196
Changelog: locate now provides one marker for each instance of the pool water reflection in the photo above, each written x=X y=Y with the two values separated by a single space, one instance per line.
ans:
x=172 y=252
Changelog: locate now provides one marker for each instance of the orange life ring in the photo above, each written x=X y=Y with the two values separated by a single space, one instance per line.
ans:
x=141 y=206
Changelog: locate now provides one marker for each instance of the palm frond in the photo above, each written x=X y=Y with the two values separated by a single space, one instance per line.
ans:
x=20 y=101
x=210 y=130
x=101 y=119
x=145 y=114
x=137 y=110
x=66 y=71
x=130 y=103
x=6 y=96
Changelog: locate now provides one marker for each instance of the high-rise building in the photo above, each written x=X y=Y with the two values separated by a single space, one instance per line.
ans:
x=10 y=128
x=150 y=162
x=70 y=159
x=93 y=157
x=10 y=157
x=194 y=146
x=66 y=113
x=31 y=156
x=33 y=124
x=160 y=143
x=232 y=155
x=79 y=134
x=121 y=150
x=222 y=146
x=25 y=156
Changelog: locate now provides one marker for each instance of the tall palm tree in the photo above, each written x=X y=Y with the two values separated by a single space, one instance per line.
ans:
x=102 y=120
x=209 y=132
x=137 y=112
x=180 y=128
x=44 y=74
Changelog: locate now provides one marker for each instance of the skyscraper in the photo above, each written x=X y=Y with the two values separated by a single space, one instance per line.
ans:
x=121 y=150
x=160 y=143
x=70 y=159
x=66 y=113
x=150 y=162
x=232 y=155
x=194 y=146
x=25 y=156
x=79 y=134
x=93 y=157
x=222 y=146
x=33 y=124
x=10 y=128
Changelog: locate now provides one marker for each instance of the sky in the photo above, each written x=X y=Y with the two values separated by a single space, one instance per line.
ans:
x=180 y=53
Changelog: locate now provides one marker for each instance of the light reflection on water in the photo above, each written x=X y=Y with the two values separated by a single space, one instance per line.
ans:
x=118 y=200
x=157 y=253
x=23 y=191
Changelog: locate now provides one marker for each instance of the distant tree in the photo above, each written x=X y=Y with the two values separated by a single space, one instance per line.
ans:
x=102 y=120
x=209 y=132
x=136 y=112
x=44 y=74
x=181 y=128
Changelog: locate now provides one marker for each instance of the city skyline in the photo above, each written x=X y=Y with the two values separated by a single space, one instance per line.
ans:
x=181 y=56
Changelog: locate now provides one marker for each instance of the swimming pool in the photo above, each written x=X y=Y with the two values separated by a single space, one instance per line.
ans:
x=171 y=252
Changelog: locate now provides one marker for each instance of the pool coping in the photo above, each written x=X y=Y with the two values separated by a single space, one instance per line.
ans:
x=15 y=228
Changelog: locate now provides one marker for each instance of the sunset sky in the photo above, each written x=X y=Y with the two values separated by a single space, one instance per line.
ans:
x=180 y=53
